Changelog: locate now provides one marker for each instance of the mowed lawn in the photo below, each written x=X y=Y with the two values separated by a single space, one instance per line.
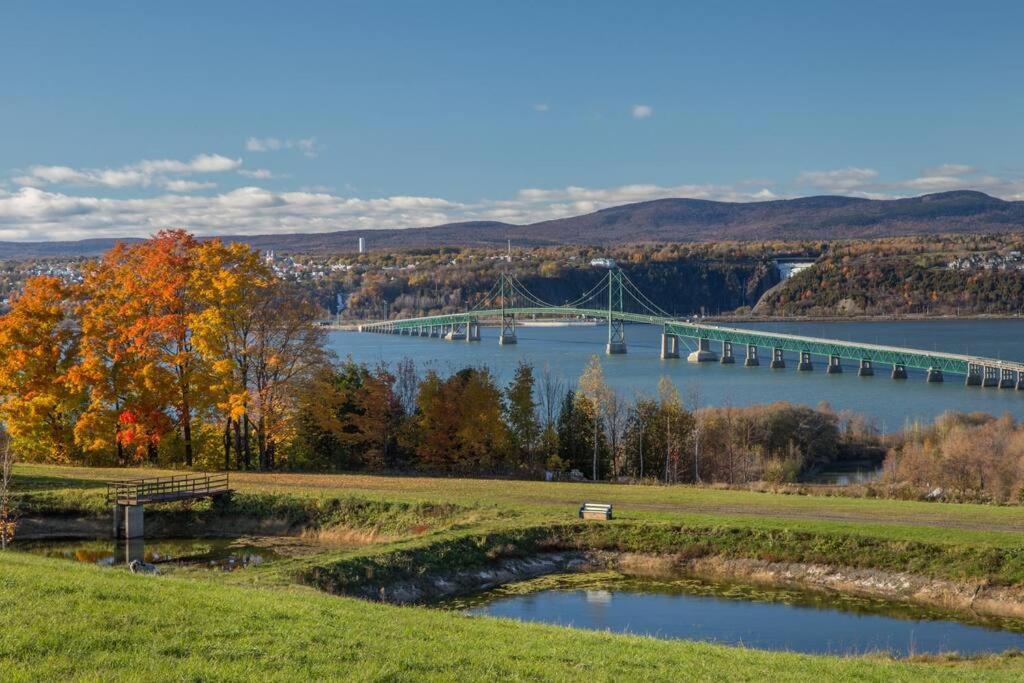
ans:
x=64 y=621
x=535 y=500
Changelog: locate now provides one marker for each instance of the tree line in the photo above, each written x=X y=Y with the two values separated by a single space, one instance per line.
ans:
x=389 y=419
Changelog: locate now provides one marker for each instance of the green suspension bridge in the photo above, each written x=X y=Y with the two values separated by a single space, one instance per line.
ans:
x=618 y=301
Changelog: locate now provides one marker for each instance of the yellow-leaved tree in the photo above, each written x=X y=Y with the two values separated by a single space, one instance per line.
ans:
x=38 y=345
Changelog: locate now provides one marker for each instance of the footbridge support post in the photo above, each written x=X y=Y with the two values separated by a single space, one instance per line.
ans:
x=751 y=360
x=669 y=345
x=128 y=521
x=727 y=357
x=703 y=354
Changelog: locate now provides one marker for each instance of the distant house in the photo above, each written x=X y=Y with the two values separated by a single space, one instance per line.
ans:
x=603 y=262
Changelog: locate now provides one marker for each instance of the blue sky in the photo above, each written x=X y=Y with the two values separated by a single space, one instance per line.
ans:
x=225 y=117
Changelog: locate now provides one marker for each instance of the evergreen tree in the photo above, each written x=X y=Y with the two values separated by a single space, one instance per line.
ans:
x=521 y=415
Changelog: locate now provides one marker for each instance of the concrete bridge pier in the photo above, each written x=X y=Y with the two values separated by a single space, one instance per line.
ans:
x=473 y=331
x=1007 y=379
x=1020 y=380
x=835 y=365
x=751 y=360
x=727 y=357
x=865 y=369
x=128 y=521
x=934 y=375
x=899 y=371
x=778 y=360
x=805 y=364
x=508 y=331
x=703 y=354
x=973 y=378
x=990 y=377
x=669 y=345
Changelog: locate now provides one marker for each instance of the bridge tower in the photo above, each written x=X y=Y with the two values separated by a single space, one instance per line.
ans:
x=508 y=320
x=616 y=328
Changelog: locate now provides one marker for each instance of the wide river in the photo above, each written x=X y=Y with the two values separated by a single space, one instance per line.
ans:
x=890 y=404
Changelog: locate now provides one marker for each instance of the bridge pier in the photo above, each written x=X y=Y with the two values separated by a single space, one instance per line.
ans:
x=991 y=377
x=835 y=365
x=899 y=371
x=128 y=521
x=973 y=377
x=778 y=360
x=805 y=364
x=1006 y=379
x=508 y=330
x=934 y=375
x=473 y=331
x=1020 y=380
x=727 y=357
x=751 y=360
x=669 y=345
x=703 y=354
x=865 y=369
x=616 y=336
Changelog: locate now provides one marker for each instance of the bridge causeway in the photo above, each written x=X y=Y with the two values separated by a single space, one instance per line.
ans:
x=509 y=300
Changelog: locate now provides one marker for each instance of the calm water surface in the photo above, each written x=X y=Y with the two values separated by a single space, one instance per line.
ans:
x=769 y=620
x=890 y=404
x=226 y=554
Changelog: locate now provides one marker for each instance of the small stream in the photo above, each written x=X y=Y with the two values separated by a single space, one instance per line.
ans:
x=731 y=614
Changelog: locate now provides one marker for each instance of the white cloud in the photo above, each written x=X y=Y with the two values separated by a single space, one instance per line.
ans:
x=262 y=144
x=259 y=173
x=141 y=174
x=642 y=111
x=187 y=185
x=839 y=180
x=540 y=106
x=307 y=146
x=32 y=213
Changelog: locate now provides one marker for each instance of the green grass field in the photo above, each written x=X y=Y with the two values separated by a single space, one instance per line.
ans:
x=61 y=620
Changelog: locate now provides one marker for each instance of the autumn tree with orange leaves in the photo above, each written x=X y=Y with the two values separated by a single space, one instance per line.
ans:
x=163 y=340
x=39 y=402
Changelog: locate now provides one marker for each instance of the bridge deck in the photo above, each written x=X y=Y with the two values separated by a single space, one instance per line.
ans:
x=166 y=489
x=855 y=351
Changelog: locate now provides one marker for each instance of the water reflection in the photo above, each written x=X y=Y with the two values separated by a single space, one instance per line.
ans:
x=753 y=617
x=220 y=554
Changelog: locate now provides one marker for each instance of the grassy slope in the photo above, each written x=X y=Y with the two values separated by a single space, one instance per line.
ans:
x=65 y=621
x=276 y=628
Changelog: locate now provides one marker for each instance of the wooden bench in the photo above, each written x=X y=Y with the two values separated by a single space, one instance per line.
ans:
x=595 y=511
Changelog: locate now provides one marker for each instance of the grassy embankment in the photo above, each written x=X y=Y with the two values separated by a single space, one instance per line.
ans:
x=63 y=621
x=198 y=627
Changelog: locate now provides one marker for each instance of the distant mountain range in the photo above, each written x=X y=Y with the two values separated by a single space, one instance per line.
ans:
x=662 y=220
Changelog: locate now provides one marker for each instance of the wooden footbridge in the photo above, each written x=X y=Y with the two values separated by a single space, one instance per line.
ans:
x=616 y=299
x=128 y=496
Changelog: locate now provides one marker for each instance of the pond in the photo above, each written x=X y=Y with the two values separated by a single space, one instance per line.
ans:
x=223 y=554
x=732 y=614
